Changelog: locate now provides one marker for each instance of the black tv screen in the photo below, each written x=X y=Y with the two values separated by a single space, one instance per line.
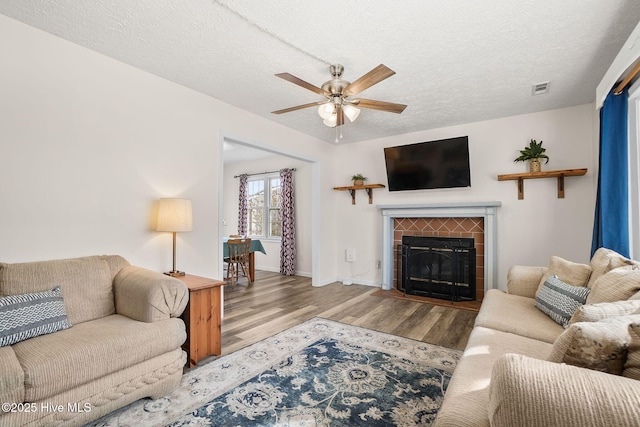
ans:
x=435 y=164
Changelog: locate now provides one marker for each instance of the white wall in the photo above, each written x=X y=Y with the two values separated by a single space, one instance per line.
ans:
x=302 y=193
x=529 y=230
x=89 y=143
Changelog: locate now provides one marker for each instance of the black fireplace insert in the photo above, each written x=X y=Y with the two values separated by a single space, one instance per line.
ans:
x=438 y=267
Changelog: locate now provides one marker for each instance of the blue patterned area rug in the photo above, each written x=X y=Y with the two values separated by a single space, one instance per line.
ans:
x=318 y=373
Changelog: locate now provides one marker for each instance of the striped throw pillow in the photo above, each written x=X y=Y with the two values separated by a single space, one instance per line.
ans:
x=560 y=300
x=30 y=315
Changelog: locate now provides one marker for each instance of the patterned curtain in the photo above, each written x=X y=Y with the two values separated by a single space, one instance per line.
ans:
x=288 y=246
x=242 y=206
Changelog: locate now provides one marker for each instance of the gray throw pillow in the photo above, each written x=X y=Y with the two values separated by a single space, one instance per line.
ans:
x=30 y=315
x=560 y=300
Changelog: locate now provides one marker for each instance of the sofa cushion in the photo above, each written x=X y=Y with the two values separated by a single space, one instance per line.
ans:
x=92 y=350
x=467 y=396
x=623 y=262
x=85 y=282
x=603 y=310
x=632 y=365
x=560 y=300
x=601 y=346
x=602 y=261
x=616 y=285
x=573 y=273
x=517 y=315
x=524 y=280
x=30 y=315
x=115 y=263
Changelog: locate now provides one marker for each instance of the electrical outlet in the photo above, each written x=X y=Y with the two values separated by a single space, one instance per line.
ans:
x=350 y=255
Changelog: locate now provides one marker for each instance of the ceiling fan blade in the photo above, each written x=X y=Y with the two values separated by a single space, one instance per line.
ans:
x=340 y=115
x=379 y=105
x=296 y=81
x=374 y=76
x=297 y=107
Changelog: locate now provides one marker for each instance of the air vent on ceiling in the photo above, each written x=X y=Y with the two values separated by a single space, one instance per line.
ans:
x=540 y=88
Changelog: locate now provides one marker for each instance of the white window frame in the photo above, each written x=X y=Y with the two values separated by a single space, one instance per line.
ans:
x=266 y=179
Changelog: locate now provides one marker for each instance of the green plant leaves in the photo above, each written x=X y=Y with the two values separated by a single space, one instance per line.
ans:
x=533 y=151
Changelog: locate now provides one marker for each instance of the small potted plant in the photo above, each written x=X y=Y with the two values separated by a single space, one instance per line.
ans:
x=358 y=179
x=534 y=152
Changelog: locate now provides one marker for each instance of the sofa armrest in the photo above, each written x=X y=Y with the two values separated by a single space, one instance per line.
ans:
x=11 y=378
x=148 y=296
x=524 y=280
x=531 y=392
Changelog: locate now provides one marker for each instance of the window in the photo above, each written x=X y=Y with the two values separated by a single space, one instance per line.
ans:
x=263 y=217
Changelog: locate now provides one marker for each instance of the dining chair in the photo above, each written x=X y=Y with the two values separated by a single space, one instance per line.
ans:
x=238 y=260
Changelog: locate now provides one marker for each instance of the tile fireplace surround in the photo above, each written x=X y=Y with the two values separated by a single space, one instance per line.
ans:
x=420 y=216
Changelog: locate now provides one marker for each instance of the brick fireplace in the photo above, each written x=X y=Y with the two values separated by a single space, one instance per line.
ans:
x=475 y=220
x=442 y=227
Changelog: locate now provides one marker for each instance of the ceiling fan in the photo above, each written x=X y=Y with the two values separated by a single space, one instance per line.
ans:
x=338 y=93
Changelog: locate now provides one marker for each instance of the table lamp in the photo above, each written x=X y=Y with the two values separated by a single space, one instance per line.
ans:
x=174 y=215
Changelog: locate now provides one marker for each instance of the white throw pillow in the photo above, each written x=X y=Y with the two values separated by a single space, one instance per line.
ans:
x=616 y=285
x=569 y=272
x=604 y=310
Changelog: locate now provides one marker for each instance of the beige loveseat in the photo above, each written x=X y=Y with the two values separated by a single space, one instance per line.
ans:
x=123 y=343
x=505 y=376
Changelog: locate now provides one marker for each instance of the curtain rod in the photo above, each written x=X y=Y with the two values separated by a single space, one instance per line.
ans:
x=261 y=173
x=627 y=80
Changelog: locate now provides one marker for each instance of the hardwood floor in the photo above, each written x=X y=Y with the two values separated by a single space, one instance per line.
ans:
x=274 y=303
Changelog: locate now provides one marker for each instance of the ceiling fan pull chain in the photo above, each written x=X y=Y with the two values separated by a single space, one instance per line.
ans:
x=336 y=141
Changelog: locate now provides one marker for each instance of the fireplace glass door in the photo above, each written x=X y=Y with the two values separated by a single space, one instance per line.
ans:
x=438 y=267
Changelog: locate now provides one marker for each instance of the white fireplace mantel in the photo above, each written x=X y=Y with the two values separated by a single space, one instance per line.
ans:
x=486 y=210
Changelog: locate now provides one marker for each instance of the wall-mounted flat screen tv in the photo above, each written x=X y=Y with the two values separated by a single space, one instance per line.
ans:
x=435 y=164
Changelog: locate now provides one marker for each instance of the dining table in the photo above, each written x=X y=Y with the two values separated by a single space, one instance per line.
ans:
x=256 y=246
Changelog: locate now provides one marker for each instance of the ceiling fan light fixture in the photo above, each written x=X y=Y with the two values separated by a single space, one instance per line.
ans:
x=331 y=121
x=351 y=112
x=326 y=110
x=338 y=92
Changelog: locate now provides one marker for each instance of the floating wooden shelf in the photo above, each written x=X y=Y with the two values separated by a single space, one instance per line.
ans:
x=559 y=174
x=352 y=190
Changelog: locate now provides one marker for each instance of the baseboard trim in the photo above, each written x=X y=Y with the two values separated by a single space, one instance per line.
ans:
x=277 y=270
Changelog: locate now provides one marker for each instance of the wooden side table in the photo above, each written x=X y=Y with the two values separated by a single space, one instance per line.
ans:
x=202 y=318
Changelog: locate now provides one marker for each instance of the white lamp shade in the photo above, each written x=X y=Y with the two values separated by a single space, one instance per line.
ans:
x=351 y=112
x=332 y=121
x=174 y=215
x=326 y=110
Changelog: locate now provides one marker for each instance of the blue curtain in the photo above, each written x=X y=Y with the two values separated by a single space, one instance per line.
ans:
x=611 y=223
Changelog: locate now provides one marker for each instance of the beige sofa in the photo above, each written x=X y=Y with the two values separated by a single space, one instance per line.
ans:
x=124 y=343
x=505 y=376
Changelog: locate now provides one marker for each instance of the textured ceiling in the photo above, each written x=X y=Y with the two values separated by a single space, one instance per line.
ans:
x=456 y=61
